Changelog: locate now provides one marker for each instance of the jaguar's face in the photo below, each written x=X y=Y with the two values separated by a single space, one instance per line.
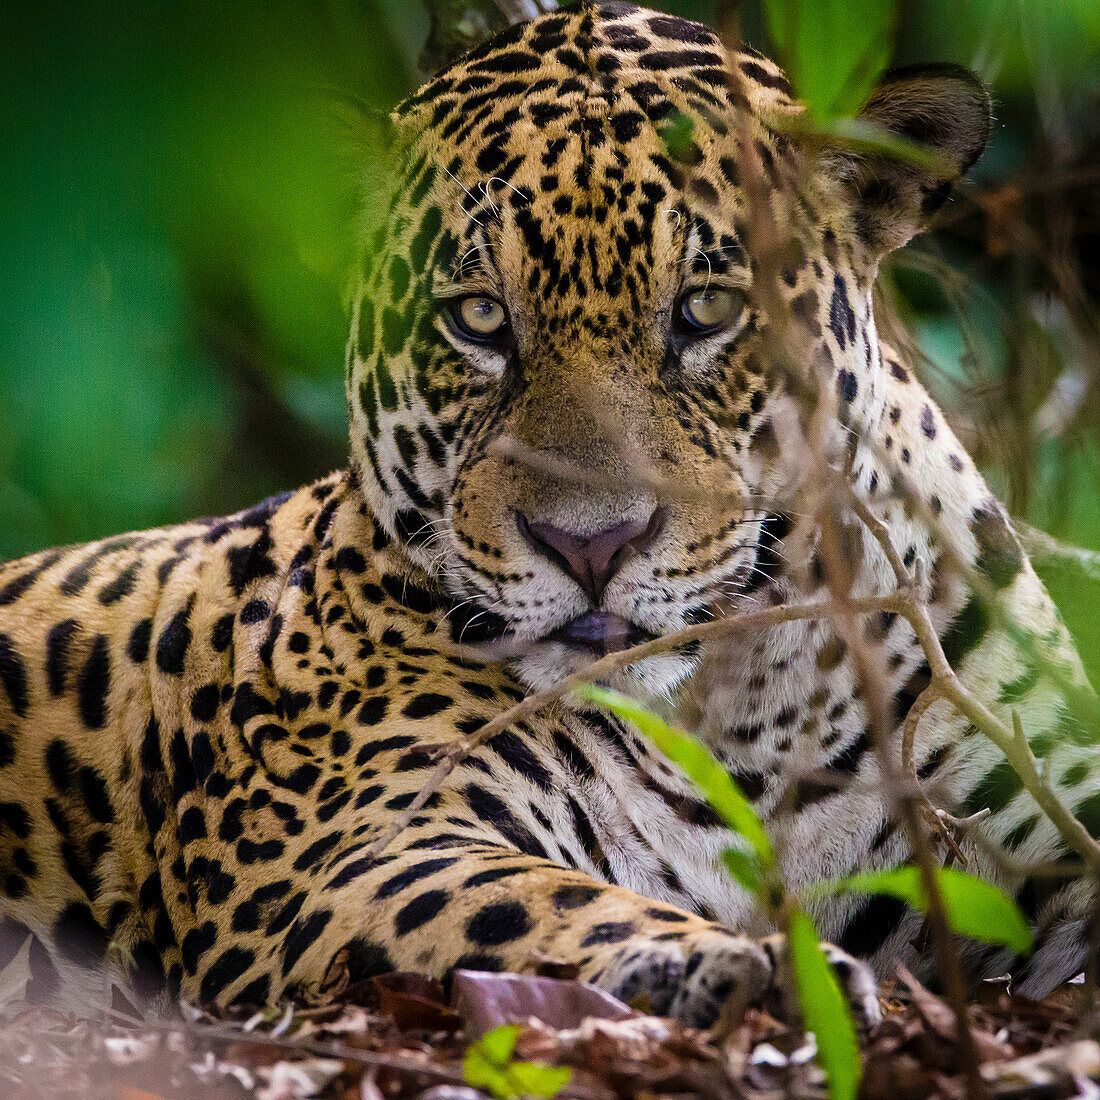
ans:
x=595 y=500
x=558 y=381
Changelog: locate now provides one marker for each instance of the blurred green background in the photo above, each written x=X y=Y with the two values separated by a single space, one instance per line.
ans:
x=173 y=237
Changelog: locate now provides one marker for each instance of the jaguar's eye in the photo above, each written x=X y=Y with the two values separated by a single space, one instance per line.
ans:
x=708 y=310
x=479 y=318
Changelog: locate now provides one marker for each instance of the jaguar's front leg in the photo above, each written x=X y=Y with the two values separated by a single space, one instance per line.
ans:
x=481 y=905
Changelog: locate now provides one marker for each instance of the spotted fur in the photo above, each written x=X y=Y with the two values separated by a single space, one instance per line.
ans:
x=203 y=728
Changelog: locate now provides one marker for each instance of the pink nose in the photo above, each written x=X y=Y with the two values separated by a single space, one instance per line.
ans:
x=591 y=560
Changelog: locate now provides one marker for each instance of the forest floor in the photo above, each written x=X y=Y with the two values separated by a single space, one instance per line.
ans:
x=399 y=1036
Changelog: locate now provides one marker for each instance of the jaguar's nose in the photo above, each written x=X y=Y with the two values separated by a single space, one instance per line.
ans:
x=591 y=560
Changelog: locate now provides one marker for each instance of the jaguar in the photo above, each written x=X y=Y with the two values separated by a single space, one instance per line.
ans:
x=566 y=416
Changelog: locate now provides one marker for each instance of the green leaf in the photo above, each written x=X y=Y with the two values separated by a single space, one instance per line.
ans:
x=973 y=908
x=488 y=1065
x=535 y=1079
x=861 y=135
x=824 y=1009
x=699 y=765
x=744 y=867
x=497 y=1045
x=676 y=133
x=832 y=52
x=480 y=1073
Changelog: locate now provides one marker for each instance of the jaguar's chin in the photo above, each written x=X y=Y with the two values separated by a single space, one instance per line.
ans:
x=599 y=633
x=545 y=654
x=582 y=641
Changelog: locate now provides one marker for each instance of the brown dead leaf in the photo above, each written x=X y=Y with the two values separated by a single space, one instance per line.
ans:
x=1038 y=1074
x=252 y=1055
x=893 y=1077
x=935 y=1013
x=993 y=992
x=487 y=1000
x=297 y=1080
x=1064 y=1004
x=415 y=1002
x=940 y=1048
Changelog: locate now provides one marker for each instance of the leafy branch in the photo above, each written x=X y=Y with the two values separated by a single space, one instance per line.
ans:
x=833 y=90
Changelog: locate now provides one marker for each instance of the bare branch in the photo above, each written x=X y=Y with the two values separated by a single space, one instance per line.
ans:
x=829 y=493
x=946 y=684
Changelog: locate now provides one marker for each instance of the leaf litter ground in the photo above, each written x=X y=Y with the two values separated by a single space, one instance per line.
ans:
x=399 y=1036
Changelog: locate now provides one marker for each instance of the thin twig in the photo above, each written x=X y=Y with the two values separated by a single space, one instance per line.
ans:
x=403 y=1063
x=1079 y=697
x=910 y=804
x=1042 y=547
x=765 y=241
x=456 y=753
x=922 y=702
x=546 y=462
x=947 y=685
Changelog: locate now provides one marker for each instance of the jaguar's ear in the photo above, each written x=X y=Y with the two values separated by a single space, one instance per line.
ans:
x=945 y=109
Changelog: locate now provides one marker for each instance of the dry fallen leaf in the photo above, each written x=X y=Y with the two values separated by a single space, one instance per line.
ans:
x=125 y=1050
x=1039 y=1073
x=297 y=1080
x=415 y=1002
x=290 y=1054
x=940 y=1021
x=487 y=1000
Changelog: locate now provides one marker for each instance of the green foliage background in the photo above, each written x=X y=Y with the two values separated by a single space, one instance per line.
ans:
x=173 y=232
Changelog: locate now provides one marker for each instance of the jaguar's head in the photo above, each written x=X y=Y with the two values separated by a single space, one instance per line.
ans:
x=559 y=378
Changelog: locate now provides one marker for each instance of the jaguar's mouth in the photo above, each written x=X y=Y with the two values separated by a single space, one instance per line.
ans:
x=600 y=632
